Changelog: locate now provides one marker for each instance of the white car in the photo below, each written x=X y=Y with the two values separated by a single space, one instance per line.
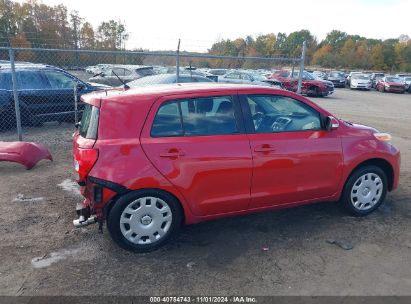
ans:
x=360 y=81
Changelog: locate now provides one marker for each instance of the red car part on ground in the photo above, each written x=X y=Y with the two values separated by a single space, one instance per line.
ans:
x=26 y=153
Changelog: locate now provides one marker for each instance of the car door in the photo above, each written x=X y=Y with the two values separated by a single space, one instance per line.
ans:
x=198 y=144
x=33 y=89
x=60 y=98
x=294 y=158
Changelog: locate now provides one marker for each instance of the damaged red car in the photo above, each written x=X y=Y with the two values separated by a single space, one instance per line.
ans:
x=310 y=85
x=151 y=159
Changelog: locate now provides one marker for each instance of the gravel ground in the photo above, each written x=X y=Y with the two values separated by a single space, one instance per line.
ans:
x=278 y=253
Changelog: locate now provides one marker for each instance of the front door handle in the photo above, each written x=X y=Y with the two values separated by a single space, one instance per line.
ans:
x=264 y=148
x=172 y=153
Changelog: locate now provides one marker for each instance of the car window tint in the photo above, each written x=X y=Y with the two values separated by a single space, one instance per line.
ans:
x=127 y=72
x=145 y=71
x=118 y=71
x=199 y=116
x=167 y=121
x=233 y=76
x=208 y=116
x=31 y=80
x=245 y=77
x=59 y=80
x=5 y=81
x=276 y=113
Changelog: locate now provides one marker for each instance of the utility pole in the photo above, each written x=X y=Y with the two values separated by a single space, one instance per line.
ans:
x=300 y=75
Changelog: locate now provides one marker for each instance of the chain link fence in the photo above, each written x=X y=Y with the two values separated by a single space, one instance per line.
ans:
x=39 y=87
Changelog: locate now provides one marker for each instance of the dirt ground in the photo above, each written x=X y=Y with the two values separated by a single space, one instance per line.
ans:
x=279 y=253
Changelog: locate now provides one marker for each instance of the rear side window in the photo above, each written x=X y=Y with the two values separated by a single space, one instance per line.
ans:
x=89 y=122
x=196 y=117
x=145 y=72
x=5 y=81
x=32 y=80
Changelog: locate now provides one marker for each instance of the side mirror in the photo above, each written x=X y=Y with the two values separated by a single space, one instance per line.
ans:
x=80 y=86
x=331 y=123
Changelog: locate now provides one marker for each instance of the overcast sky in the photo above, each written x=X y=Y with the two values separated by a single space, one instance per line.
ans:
x=157 y=24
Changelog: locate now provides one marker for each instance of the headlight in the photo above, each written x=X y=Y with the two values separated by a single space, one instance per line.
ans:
x=382 y=136
x=387 y=85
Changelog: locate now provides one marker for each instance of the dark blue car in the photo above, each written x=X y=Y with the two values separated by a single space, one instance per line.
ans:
x=46 y=93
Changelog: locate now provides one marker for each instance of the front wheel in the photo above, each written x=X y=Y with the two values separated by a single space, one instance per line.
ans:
x=144 y=220
x=365 y=190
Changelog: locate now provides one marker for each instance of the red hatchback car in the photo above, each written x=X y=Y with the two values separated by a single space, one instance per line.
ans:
x=153 y=158
x=391 y=84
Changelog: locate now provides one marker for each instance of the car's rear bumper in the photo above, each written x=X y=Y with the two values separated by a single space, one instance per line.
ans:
x=97 y=195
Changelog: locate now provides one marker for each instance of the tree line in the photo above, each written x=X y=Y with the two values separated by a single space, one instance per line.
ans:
x=32 y=24
x=338 y=50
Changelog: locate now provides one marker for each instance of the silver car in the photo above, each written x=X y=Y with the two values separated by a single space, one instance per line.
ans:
x=126 y=73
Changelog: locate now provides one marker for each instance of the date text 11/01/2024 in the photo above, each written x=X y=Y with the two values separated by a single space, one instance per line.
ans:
x=203 y=299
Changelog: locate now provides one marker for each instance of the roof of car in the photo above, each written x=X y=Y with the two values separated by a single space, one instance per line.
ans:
x=161 y=90
x=28 y=66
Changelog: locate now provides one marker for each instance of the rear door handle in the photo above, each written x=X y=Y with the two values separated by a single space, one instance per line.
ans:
x=172 y=153
x=264 y=148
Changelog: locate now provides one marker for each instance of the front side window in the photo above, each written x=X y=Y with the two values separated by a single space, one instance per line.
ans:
x=59 y=80
x=195 y=117
x=276 y=113
x=233 y=76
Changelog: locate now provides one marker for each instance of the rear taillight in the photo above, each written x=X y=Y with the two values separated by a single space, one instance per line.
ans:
x=84 y=160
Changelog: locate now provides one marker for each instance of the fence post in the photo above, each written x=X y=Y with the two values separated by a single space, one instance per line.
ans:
x=75 y=103
x=15 y=94
x=178 y=62
x=300 y=75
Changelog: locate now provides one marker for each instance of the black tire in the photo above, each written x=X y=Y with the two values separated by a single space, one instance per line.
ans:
x=313 y=92
x=113 y=219
x=346 y=200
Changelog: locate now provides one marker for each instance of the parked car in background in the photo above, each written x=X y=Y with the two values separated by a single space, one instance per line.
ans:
x=126 y=73
x=319 y=75
x=391 y=84
x=348 y=82
x=218 y=72
x=407 y=82
x=46 y=93
x=95 y=69
x=242 y=77
x=166 y=79
x=309 y=86
x=151 y=160
x=337 y=78
x=375 y=77
x=360 y=81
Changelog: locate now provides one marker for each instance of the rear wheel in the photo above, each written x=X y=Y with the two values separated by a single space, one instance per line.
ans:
x=144 y=220
x=365 y=190
x=314 y=92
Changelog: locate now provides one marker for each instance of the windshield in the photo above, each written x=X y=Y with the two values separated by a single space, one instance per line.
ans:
x=154 y=79
x=258 y=77
x=361 y=77
x=393 y=79
x=89 y=122
x=407 y=78
x=336 y=74
x=306 y=75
